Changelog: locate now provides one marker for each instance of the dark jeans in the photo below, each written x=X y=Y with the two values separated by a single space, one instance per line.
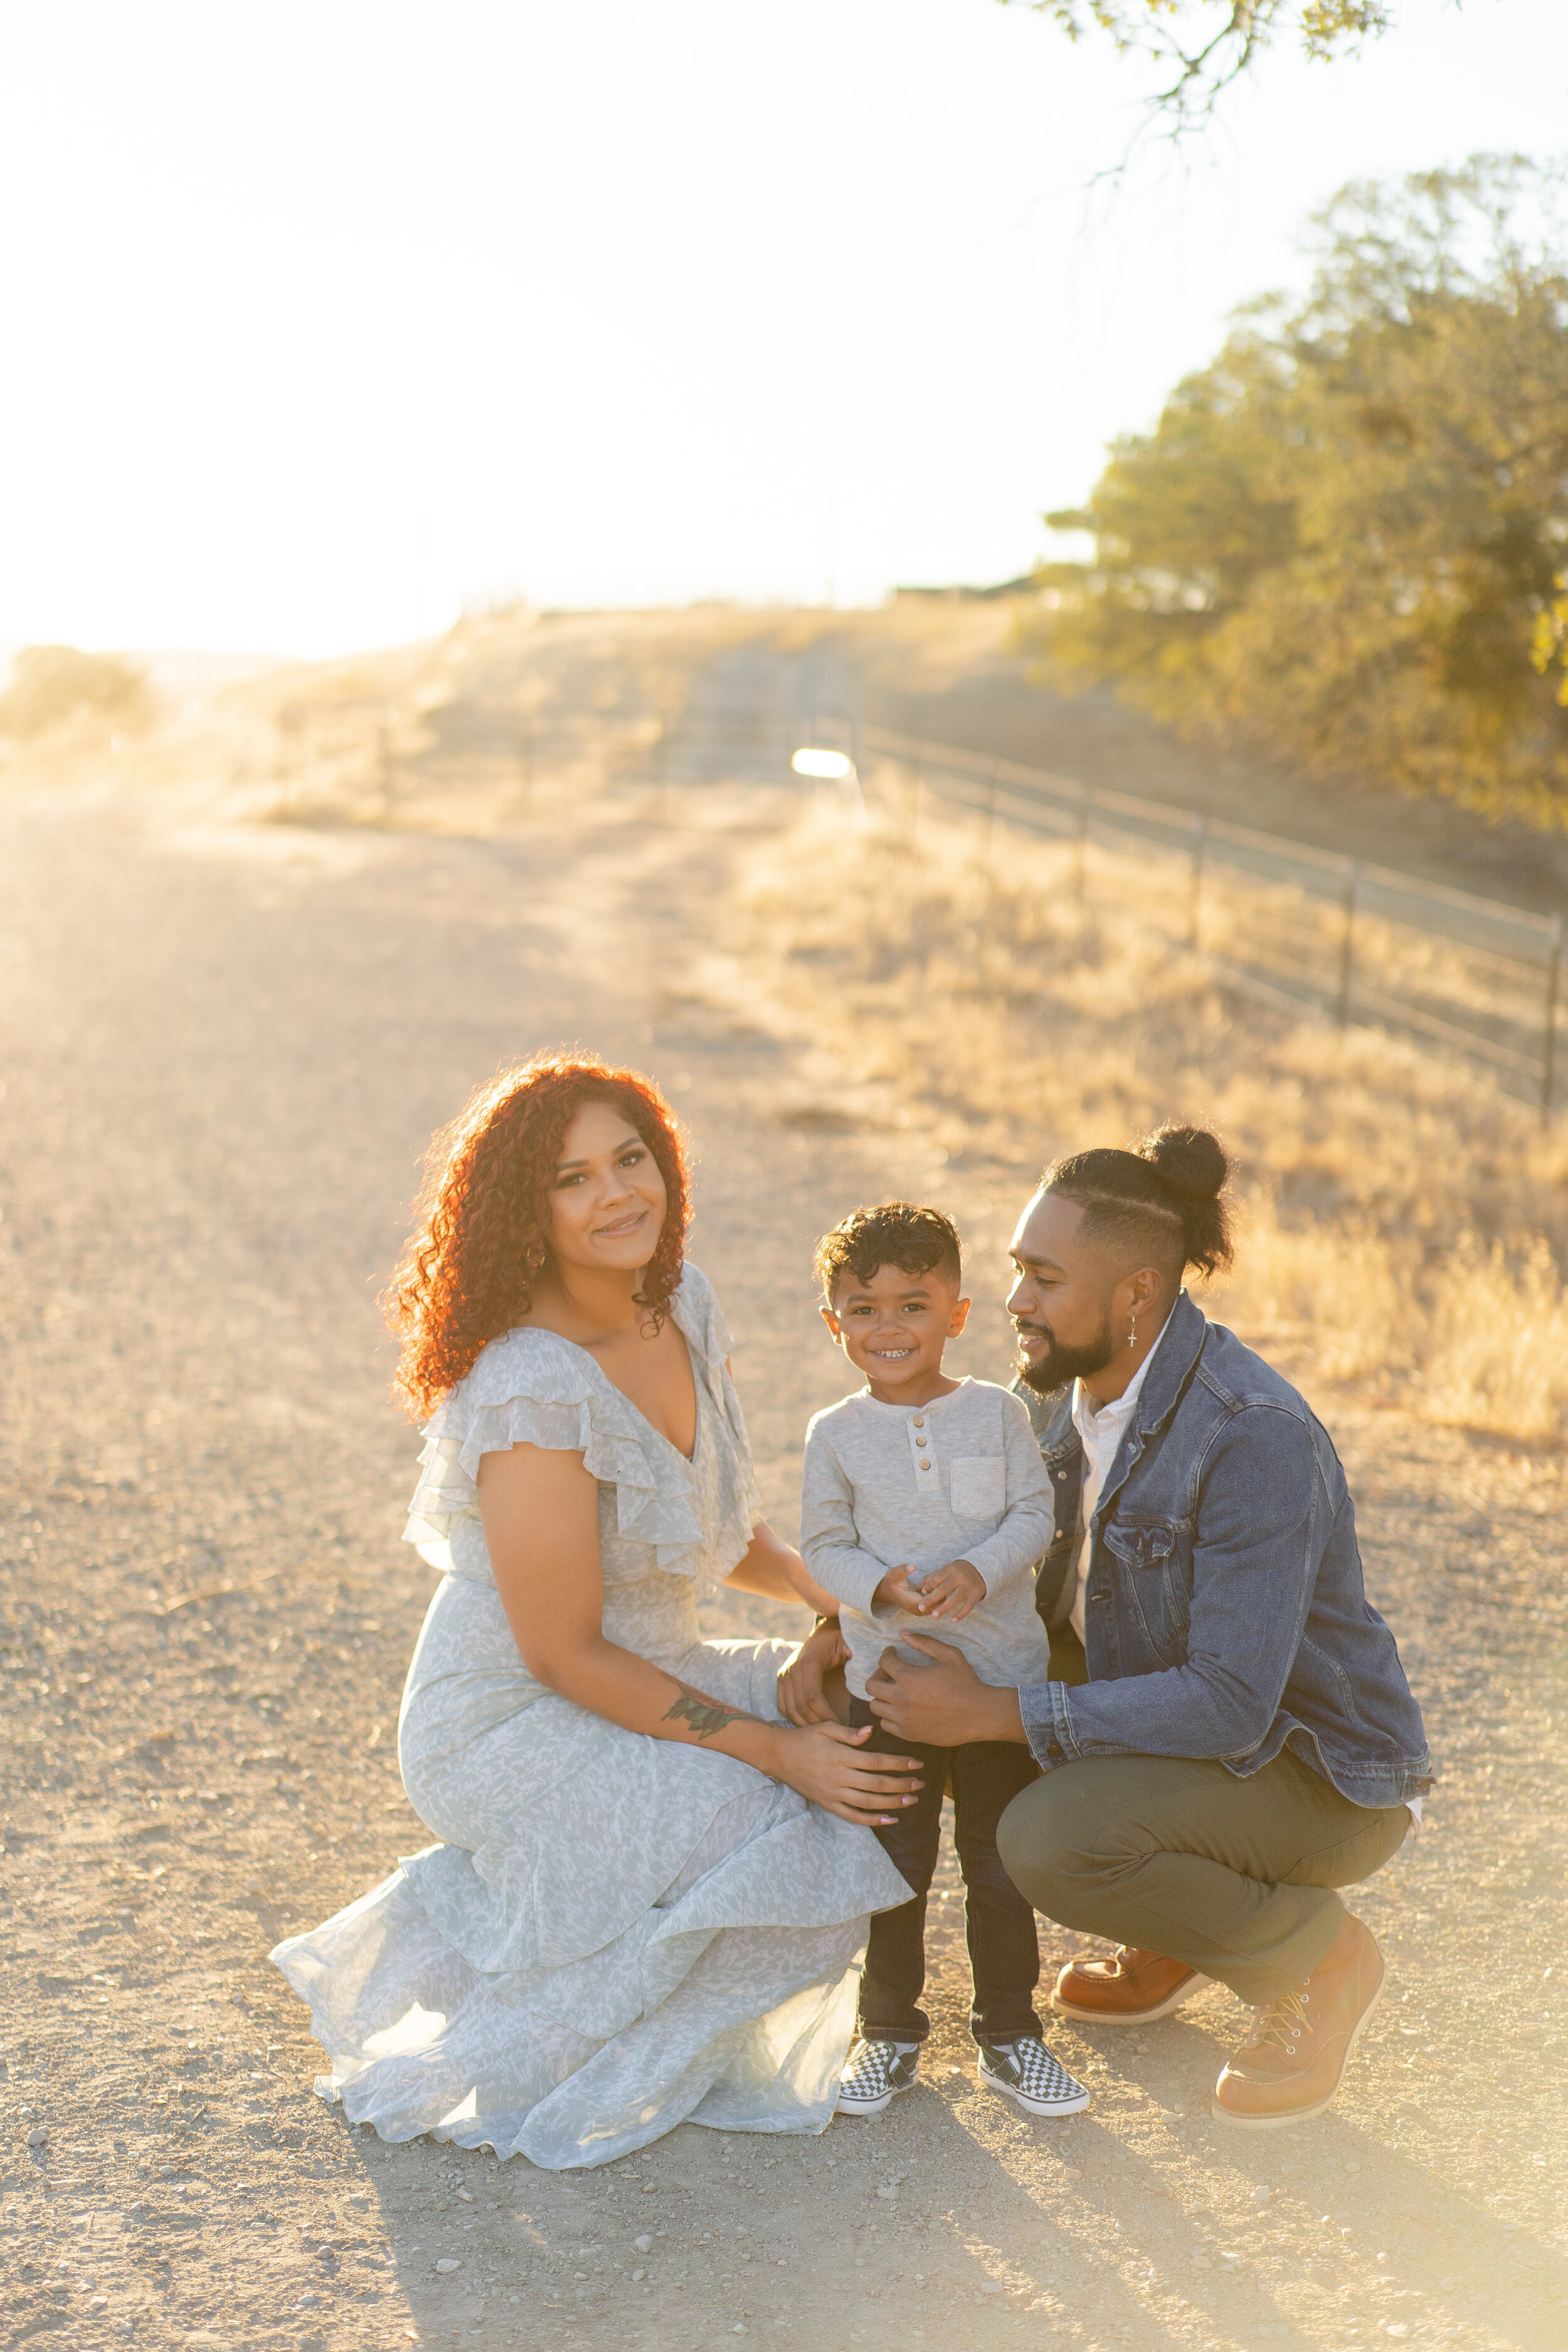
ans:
x=999 y=1922
x=1068 y=1663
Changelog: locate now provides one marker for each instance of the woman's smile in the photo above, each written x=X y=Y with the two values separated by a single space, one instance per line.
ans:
x=622 y=1225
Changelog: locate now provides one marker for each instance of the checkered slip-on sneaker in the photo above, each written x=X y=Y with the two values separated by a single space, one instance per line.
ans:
x=874 y=2073
x=1031 y=2074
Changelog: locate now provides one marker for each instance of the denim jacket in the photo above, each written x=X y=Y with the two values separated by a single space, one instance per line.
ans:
x=1225 y=1607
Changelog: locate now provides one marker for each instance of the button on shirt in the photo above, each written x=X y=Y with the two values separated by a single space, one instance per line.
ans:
x=1099 y=1429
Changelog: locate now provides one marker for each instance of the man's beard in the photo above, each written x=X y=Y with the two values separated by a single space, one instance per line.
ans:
x=1058 y=1364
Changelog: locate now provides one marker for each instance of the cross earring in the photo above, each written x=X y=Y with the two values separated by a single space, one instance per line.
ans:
x=1132 y=1332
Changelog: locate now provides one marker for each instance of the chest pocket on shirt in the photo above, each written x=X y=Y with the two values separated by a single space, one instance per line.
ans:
x=977 y=1487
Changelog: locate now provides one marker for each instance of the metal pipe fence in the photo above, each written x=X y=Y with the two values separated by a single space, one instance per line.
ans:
x=1355 y=941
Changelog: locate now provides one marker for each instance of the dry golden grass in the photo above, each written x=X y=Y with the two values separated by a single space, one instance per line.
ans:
x=1402 y=1224
x=503 y=717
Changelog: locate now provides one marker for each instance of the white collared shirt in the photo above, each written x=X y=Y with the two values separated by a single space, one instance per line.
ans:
x=1099 y=1429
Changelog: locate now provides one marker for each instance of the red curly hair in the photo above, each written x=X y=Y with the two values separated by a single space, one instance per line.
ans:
x=483 y=1214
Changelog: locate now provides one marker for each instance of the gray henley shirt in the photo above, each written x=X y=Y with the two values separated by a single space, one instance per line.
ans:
x=961 y=1478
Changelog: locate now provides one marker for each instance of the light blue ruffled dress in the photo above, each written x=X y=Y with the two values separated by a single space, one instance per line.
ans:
x=618 y=1934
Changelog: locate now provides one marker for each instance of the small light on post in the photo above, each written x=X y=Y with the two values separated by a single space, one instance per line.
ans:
x=829 y=766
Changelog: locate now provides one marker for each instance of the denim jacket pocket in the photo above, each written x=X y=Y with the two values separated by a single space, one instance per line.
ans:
x=1157 y=1556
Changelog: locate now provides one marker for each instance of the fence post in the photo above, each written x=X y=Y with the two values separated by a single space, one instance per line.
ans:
x=1200 y=846
x=1549 y=1024
x=1347 y=944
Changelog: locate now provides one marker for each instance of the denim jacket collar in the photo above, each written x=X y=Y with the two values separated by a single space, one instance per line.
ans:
x=1176 y=1359
x=1171 y=1368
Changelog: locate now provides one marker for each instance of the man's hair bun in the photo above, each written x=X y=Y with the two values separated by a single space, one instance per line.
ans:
x=1167 y=1197
x=1189 y=1159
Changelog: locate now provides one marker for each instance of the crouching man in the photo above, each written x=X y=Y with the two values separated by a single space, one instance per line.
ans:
x=1228 y=1737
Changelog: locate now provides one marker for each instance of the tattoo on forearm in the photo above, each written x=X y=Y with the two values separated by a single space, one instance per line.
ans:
x=705 y=1715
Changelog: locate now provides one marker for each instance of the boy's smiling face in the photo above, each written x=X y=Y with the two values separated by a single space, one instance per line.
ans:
x=894 y=1327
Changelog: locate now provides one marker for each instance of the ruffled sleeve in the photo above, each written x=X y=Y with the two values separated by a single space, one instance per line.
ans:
x=531 y=1387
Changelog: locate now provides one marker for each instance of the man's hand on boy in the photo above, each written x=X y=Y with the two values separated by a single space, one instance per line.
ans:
x=950 y=1591
x=943 y=1703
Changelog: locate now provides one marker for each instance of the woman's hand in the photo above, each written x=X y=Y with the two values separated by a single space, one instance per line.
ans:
x=802 y=1695
x=826 y=1764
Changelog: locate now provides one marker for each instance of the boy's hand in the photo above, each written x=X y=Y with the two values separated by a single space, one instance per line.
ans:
x=950 y=1591
x=896 y=1592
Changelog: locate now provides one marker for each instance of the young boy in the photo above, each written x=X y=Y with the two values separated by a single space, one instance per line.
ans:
x=925 y=1504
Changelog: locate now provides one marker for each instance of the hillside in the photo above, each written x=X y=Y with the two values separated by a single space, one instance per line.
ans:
x=466 y=728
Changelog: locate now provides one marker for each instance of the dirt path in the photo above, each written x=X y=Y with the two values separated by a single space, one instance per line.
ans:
x=221 y=1052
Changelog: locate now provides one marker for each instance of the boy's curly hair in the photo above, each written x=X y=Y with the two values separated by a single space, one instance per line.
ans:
x=895 y=1232
x=468 y=1272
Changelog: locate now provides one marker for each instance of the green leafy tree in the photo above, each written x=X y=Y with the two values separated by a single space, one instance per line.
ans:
x=1549 y=651
x=1344 y=542
x=1206 y=44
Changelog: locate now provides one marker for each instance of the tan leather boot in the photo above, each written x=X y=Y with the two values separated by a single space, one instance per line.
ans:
x=1292 y=2061
x=1130 y=1989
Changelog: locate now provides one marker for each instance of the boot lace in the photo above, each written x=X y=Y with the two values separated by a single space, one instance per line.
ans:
x=1283 y=2022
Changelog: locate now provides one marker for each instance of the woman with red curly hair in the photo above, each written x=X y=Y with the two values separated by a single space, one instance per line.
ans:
x=650 y=1890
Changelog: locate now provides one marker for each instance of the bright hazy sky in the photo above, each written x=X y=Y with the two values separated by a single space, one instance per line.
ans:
x=324 y=316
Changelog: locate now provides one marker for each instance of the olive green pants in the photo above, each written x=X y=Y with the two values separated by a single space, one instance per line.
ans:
x=1175 y=1854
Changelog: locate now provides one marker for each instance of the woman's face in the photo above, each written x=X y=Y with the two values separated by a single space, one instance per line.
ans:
x=607 y=1199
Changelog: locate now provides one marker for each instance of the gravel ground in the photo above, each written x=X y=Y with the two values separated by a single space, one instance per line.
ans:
x=223 y=1049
